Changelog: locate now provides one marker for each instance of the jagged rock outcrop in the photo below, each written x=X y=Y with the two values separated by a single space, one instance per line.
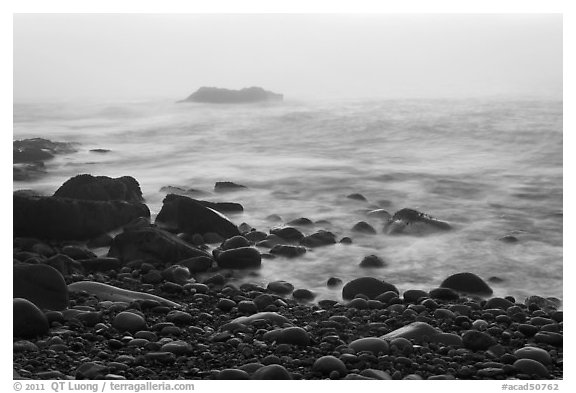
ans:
x=217 y=95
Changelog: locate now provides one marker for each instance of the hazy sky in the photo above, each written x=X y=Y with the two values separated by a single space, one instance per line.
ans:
x=140 y=56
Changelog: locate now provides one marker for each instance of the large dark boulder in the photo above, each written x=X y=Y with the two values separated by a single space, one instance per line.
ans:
x=239 y=258
x=42 y=285
x=38 y=149
x=467 y=283
x=409 y=221
x=101 y=188
x=369 y=286
x=183 y=214
x=29 y=156
x=216 y=95
x=70 y=219
x=152 y=243
x=28 y=320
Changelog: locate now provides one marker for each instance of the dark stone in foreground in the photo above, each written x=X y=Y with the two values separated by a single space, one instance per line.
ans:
x=214 y=95
x=467 y=283
x=42 y=285
x=240 y=258
x=29 y=321
x=101 y=188
x=368 y=286
x=154 y=243
x=409 y=221
x=183 y=214
x=71 y=219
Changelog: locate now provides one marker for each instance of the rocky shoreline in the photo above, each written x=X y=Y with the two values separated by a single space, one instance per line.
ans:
x=162 y=303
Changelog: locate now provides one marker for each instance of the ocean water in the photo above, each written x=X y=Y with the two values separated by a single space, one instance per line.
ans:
x=489 y=167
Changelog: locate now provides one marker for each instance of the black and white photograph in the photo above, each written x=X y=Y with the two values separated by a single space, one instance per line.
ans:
x=287 y=196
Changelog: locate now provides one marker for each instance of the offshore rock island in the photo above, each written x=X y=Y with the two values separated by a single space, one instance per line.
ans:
x=215 y=95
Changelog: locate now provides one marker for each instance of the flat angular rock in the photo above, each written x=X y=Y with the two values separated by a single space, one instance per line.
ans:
x=152 y=243
x=412 y=222
x=101 y=188
x=42 y=285
x=109 y=292
x=413 y=331
x=71 y=219
x=183 y=214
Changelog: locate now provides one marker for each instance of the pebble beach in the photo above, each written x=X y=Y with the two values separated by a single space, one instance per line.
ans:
x=159 y=299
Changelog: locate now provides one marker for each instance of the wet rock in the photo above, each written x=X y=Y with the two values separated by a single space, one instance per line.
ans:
x=413 y=295
x=102 y=151
x=301 y=222
x=272 y=372
x=372 y=261
x=239 y=258
x=304 y=295
x=71 y=219
x=91 y=370
x=375 y=345
x=412 y=222
x=328 y=364
x=41 y=284
x=225 y=186
x=255 y=236
x=178 y=348
x=28 y=320
x=509 y=239
x=444 y=294
x=222 y=207
x=364 y=227
x=226 y=304
x=287 y=251
x=294 y=335
x=104 y=240
x=333 y=282
x=271 y=317
x=475 y=340
x=183 y=214
x=177 y=274
x=152 y=243
x=128 y=321
x=109 y=292
x=379 y=213
x=357 y=197
x=290 y=234
x=101 y=188
x=39 y=149
x=467 y=283
x=197 y=264
x=235 y=242
x=414 y=331
x=247 y=307
x=550 y=338
x=102 y=264
x=232 y=374
x=368 y=286
x=534 y=353
x=319 y=239
x=280 y=287
x=548 y=304
x=498 y=302
x=179 y=317
x=531 y=367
